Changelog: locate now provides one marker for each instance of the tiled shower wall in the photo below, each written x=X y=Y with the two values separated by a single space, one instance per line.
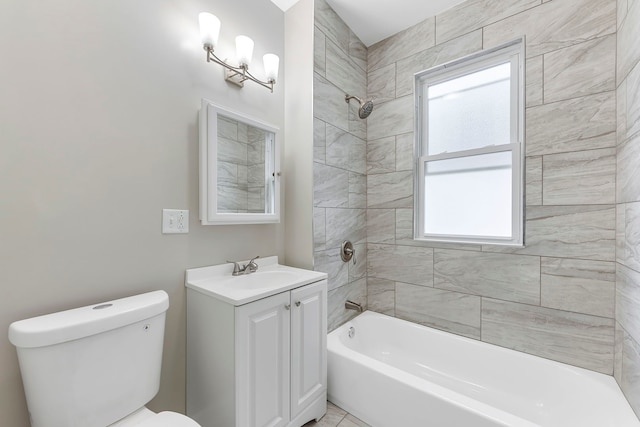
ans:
x=627 y=350
x=555 y=297
x=241 y=178
x=339 y=164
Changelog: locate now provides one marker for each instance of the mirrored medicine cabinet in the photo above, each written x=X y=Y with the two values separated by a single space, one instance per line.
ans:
x=239 y=168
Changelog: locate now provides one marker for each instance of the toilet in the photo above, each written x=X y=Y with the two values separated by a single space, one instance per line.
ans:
x=95 y=366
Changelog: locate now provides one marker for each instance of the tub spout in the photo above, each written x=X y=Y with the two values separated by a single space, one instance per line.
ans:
x=350 y=305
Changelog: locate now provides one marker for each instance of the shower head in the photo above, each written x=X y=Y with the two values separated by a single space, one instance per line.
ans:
x=366 y=107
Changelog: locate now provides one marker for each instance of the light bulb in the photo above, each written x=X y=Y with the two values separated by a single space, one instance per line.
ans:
x=271 y=64
x=244 y=50
x=209 y=29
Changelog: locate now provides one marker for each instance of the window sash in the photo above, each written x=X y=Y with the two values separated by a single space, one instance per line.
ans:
x=516 y=206
x=511 y=52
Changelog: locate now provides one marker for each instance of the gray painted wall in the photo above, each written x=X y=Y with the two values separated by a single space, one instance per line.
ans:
x=98 y=133
x=627 y=360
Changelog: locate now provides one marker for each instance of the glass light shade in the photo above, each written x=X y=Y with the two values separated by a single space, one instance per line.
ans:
x=209 y=29
x=244 y=50
x=271 y=65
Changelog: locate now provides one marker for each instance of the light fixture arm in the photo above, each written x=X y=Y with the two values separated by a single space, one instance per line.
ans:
x=237 y=75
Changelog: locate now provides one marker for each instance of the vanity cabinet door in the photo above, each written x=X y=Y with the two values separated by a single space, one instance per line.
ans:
x=308 y=345
x=262 y=371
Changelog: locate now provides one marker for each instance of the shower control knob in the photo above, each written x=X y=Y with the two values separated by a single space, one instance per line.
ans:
x=297 y=303
x=287 y=306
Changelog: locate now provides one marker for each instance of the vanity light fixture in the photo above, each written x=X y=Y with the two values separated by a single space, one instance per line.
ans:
x=209 y=32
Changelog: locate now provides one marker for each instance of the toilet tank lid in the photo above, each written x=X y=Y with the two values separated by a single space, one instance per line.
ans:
x=82 y=322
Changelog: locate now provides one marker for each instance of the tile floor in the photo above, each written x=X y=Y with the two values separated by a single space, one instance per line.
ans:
x=337 y=417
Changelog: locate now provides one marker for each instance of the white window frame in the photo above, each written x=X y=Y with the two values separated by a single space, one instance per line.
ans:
x=515 y=53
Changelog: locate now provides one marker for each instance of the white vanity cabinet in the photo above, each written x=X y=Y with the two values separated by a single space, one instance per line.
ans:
x=258 y=364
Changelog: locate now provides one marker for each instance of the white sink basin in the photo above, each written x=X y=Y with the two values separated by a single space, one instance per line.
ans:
x=270 y=278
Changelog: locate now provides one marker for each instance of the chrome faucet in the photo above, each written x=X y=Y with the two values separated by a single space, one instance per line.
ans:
x=250 y=267
x=350 y=305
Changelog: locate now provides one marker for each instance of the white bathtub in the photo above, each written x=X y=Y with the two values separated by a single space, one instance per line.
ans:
x=394 y=373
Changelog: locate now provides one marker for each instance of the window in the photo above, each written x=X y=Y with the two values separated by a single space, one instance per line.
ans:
x=470 y=145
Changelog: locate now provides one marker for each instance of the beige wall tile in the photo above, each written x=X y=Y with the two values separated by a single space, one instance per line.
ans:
x=328 y=103
x=630 y=254
x=381 y=226
x=577 y=339
x=357 y=51
x=450 y=311
x=581 y=69
x=345 y=224
x=533 y=179
x=381 y=155
x=534 y=73
x=580 y=178
x=391 y=118
x=502 y=276
x=381 y=84
x=577 y=124
x=400 y=263
x=358 y=266
x=617 y=353
x=327 y=20
x=555 y=25
x=390 y=190
x=621 y=110
x=345 y=151
x=628 y=46
x=633 y=101
x=630 y=381
x=403 y=44
x=319 y=141
x=343 y=72
x=583 y=232
x=337 y=313
x=330 y=187
x=628 y=299
x=628 y=173
x=357 y=190
x=329 y=261
x=580 y=286
x=319 y=52
x=474 y=14
x=319 y=229
x=404 y=152
x=436 y=55
x=381 y=296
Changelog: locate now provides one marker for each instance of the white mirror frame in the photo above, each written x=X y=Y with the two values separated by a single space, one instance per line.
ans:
x=209 y=214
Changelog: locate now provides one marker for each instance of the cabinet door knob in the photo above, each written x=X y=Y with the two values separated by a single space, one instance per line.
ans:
x=287 y=306
x=297 y=303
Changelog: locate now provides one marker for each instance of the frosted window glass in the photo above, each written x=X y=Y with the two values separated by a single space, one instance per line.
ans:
x=471 y=111
x=469 y=196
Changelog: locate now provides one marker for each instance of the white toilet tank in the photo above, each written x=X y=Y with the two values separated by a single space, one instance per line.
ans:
x=91 y=366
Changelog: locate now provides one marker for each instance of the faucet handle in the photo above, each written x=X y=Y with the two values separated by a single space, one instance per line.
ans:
x=253 y=266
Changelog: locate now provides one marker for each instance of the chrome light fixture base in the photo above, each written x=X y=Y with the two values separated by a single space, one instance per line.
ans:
x=237 y=75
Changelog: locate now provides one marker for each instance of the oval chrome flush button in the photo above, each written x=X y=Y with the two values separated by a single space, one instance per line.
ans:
x=352 y=332
x=101 y=306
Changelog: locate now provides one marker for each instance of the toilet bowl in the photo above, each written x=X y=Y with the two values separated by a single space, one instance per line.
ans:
x=145 y=418
x=95 y=366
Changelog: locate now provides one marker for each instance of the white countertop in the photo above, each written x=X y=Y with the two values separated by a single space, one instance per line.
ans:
x=271 y=278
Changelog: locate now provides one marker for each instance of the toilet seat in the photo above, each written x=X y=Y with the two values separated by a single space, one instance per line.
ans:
x=168 y=419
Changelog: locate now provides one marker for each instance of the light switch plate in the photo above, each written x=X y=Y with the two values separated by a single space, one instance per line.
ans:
x=175 y=221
